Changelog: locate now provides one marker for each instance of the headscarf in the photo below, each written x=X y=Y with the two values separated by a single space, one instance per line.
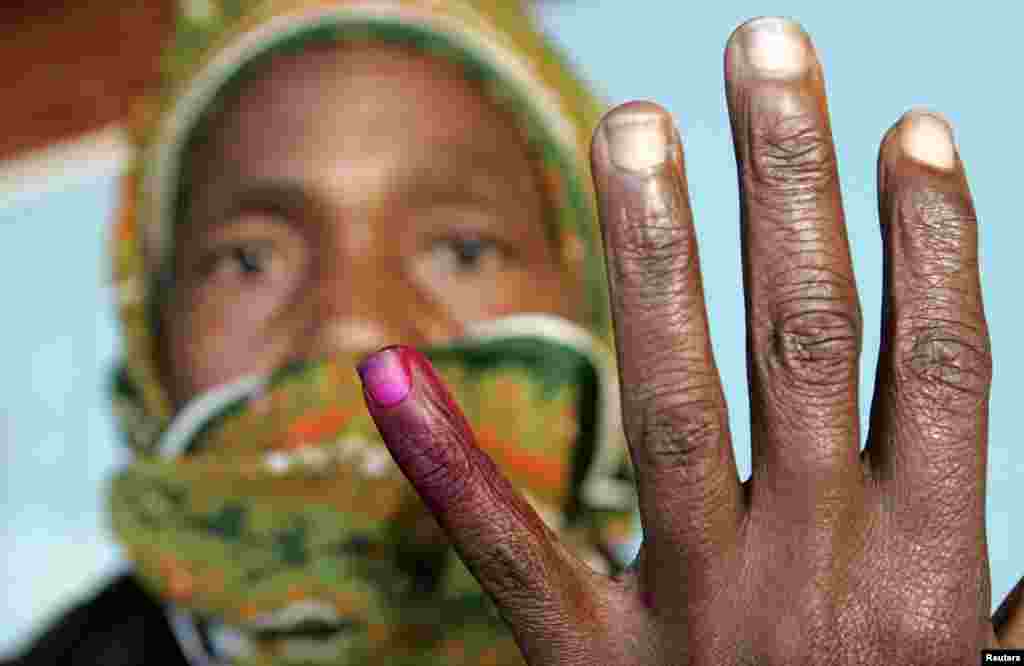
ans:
x=233 y=506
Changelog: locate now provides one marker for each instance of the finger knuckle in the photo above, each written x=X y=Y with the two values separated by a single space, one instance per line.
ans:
x=944 y=365
x=513 y=573
x=682 y=428
x=816 y=340
x=653 y=244
x=792 y=153
x=940 y=229
x=441 y=471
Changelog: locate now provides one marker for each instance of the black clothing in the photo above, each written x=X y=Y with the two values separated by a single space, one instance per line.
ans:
x=122 y=625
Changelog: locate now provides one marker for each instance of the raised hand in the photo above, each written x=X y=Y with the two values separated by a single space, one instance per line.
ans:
x=825 y=555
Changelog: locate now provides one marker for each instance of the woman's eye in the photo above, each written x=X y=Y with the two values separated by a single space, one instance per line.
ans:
x=467 y=254
x=249 y=260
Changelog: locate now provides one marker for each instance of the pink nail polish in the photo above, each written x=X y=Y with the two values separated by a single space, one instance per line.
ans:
x=386 y=377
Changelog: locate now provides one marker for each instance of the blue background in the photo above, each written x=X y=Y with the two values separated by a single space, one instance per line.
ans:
x=880 y=59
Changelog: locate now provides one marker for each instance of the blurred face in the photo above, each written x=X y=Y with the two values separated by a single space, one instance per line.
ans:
x=351 y=198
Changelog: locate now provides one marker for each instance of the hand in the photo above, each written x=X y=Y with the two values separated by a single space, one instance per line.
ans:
x=825 y=555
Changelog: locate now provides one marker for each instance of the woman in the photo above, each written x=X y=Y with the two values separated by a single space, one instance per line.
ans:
x=314 y=180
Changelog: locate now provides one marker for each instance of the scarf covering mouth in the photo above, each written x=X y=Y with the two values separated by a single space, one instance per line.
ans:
x=216 y=47
x=274 y=511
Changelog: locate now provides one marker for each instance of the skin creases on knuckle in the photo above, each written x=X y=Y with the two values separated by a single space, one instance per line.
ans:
x=938 y=234
x=507 y=544
x=943 y=365
x=816 y=341
x=790 y=155
x=511 y=570
x=681 y=425
x=652 y=246
x=441 y=470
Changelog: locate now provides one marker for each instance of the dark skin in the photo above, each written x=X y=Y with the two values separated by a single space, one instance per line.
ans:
x=825 y=555
x=385 y=173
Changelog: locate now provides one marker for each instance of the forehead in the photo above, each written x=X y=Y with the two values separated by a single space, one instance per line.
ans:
x=334 y=101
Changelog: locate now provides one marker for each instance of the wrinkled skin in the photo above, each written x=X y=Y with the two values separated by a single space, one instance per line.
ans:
x=826 y=555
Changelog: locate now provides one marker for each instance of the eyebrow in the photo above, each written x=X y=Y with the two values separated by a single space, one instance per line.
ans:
x=287 y=196
x=482 y=184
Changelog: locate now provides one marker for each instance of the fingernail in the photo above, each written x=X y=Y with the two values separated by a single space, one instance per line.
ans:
x=386 y=377
x=927 y=137
x=639 y=136
x=771 y=47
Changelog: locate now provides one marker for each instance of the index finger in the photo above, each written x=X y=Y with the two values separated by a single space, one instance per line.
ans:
x=538 y=586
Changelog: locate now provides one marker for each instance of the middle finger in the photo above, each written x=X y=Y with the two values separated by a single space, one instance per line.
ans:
x=673 y=406
x=803 y=315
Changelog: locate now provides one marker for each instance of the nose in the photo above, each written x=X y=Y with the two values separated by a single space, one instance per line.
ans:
x=369 y=303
